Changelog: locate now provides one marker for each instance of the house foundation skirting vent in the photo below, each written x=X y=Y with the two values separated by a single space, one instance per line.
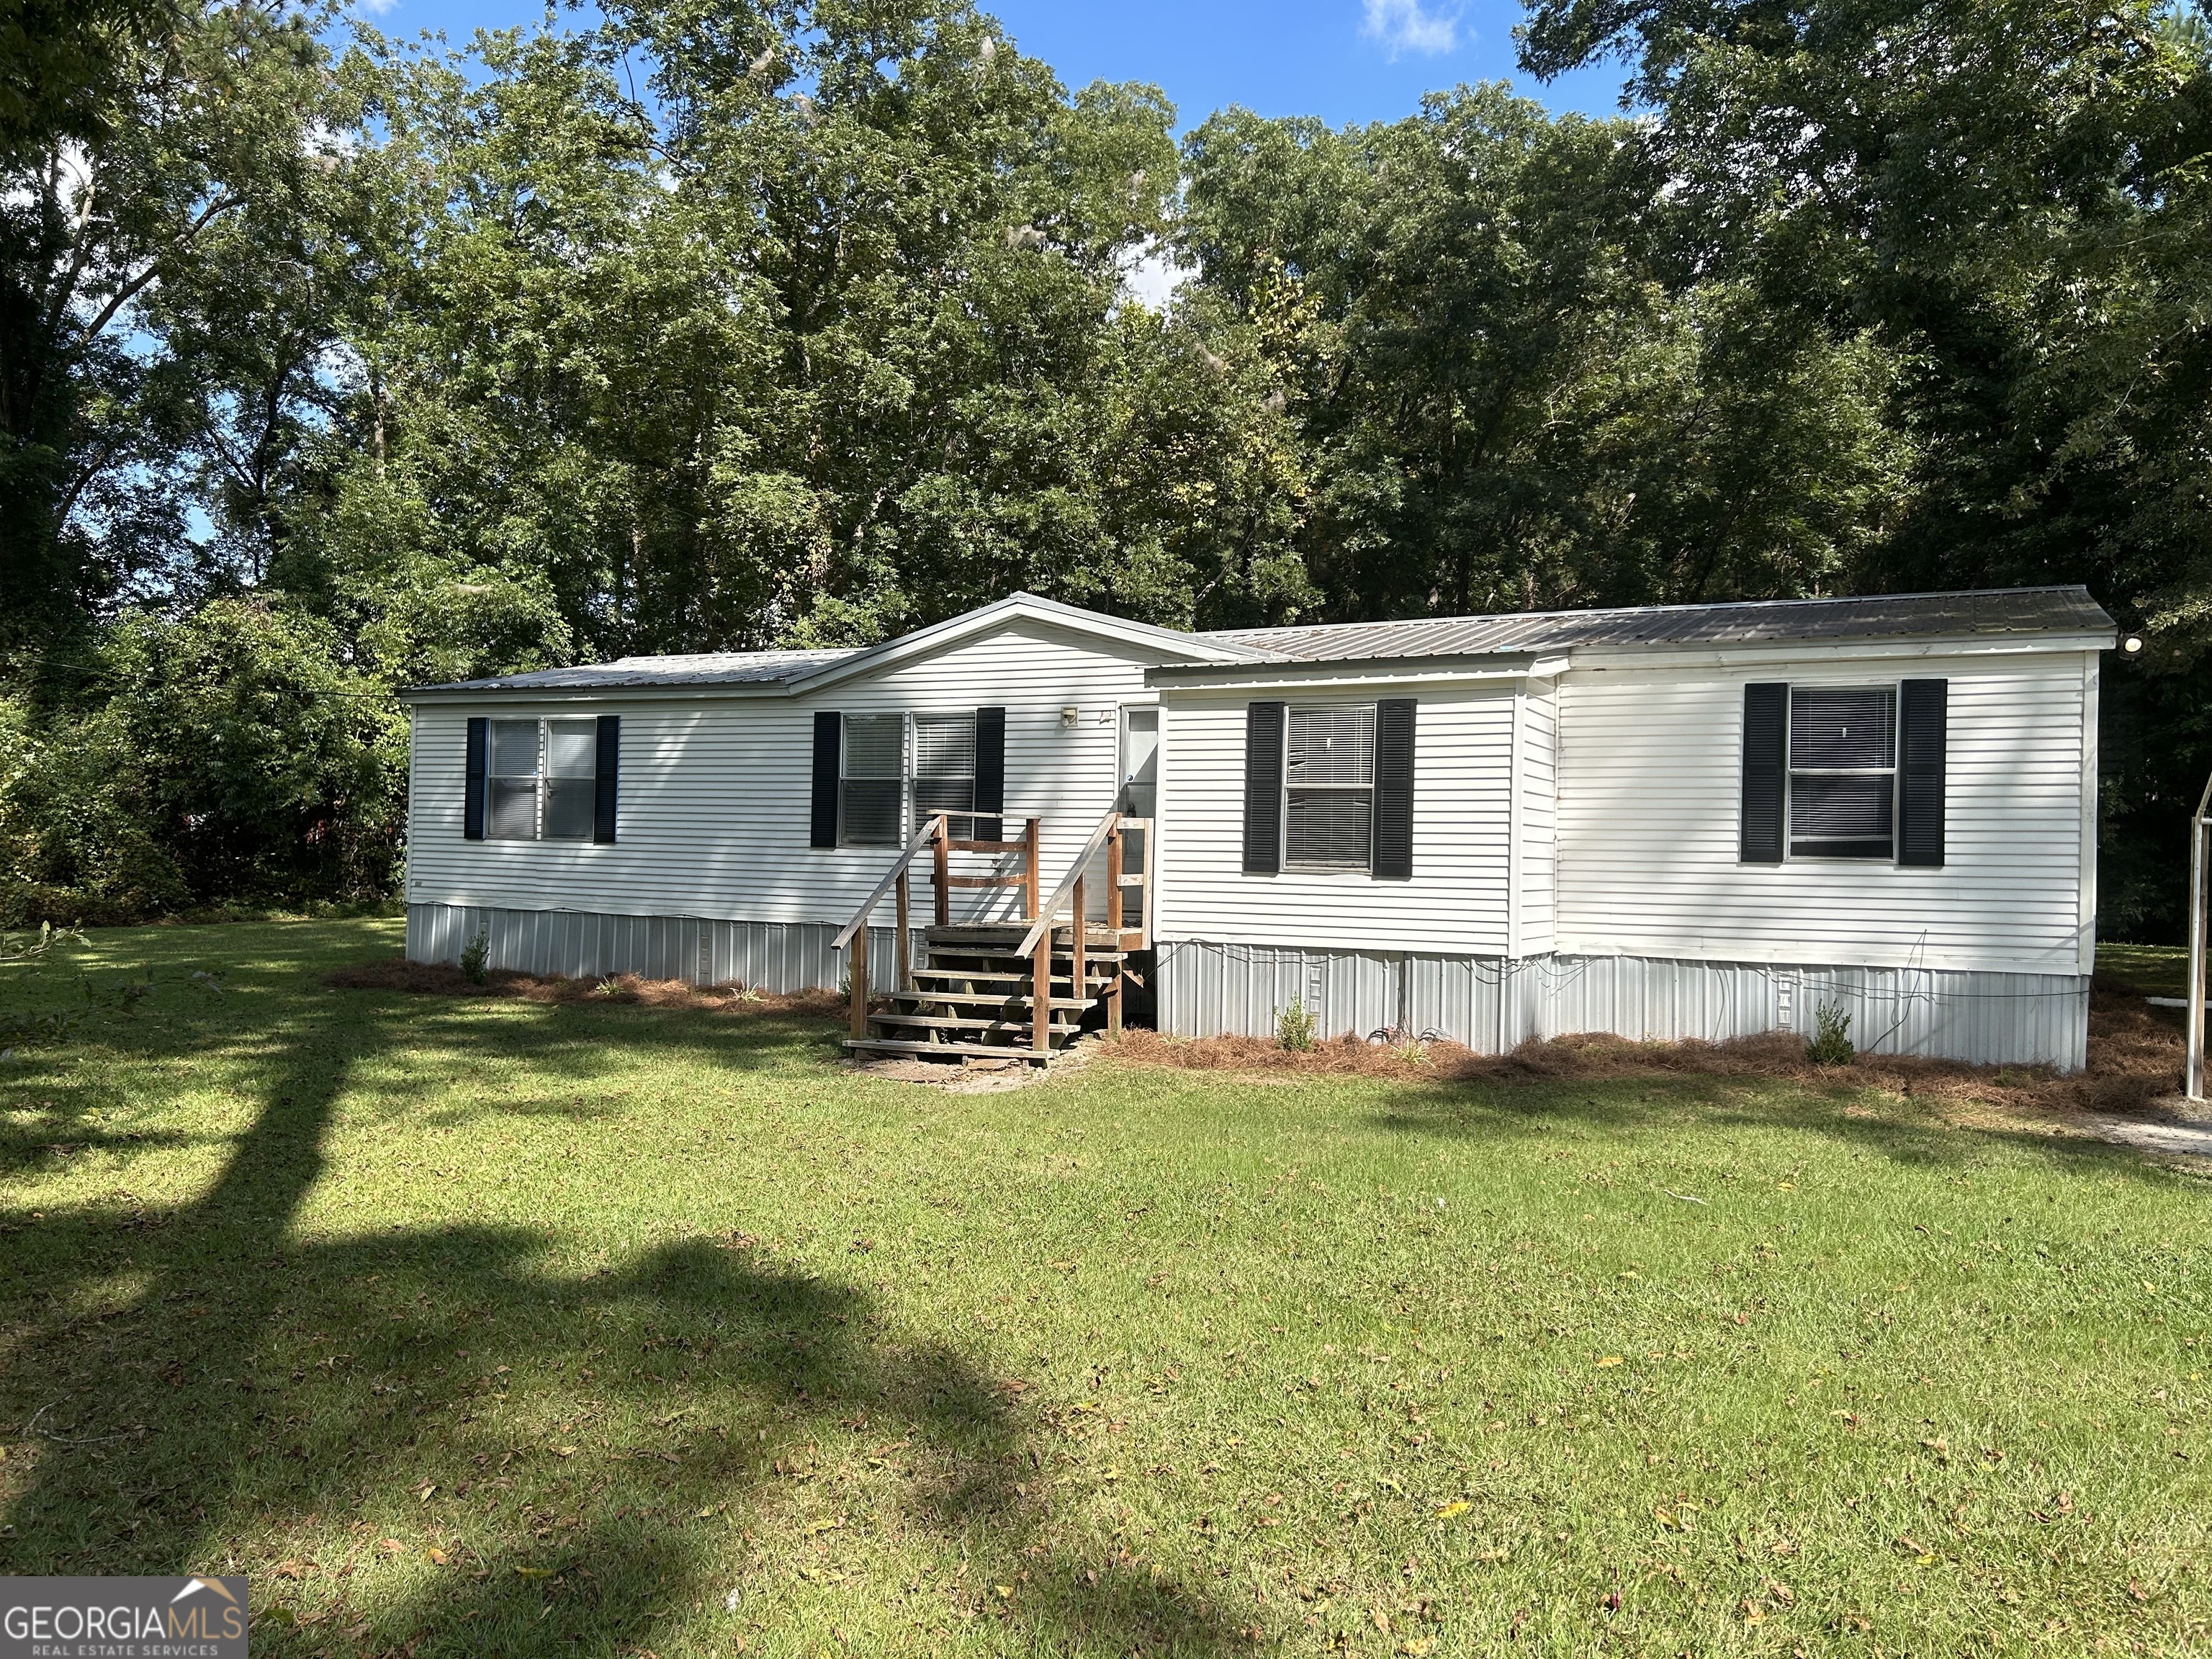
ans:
x=1212 y=989
x=778 y=956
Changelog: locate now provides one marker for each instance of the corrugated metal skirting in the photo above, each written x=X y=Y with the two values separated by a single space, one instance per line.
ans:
x=1210 y=989
x=767 y=956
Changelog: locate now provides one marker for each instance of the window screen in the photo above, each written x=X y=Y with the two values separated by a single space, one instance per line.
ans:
x=945 y=768
x=875 y=766
x=1329 y=788
x=1843 y=772
x=572 y=765
x=515 y=761
x=544 y=776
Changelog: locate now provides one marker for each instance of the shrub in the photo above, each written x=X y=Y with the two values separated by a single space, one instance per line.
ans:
x=1294 y=1028
x=1831 y=1042
x=475 y=957
x=232 y=757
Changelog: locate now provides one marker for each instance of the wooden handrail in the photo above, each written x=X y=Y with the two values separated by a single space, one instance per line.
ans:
x=1046 y=912
x=928 y=833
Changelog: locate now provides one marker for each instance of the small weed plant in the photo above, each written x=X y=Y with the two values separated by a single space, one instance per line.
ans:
x=476 y=959
x=1294 y=1028
x=1831 y=1042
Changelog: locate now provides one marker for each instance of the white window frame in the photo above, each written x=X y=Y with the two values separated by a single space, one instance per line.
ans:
x=963 y=818
x=845 y=775
x=541 y=780
x=1291 y=714
x=909 y=775
x=1791 y=772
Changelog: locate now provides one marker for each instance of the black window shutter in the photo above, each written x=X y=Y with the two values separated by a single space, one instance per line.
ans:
x=1264 y=724
x=1394 y=788
x=472 y=815
x=990 y=772
x=828 y=743
x=1923 y=712
x=609 y=776
x=1766 y=770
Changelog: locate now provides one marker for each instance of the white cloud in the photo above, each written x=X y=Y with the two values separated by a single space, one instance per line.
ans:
x=377 y=8
x=1150 y=276
x=1408 y=25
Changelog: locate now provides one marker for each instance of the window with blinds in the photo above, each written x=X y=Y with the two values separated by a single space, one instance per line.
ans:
x=872 y=781
x=1329 y=789
x=1843 y=772
x=890 y=784
x=544 y=779
x=945 y=768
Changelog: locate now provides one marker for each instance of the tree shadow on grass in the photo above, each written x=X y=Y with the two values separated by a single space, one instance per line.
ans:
x=431 y=1442
x=1900 y=1131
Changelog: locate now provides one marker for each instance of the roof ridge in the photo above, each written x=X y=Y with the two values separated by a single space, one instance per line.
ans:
x=1647 y=610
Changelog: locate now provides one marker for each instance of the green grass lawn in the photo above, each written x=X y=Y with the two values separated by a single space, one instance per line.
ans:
x=501 y=1327
x=2151 y=970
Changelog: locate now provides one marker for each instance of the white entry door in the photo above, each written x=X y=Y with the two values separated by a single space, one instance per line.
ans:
x=1141 y=793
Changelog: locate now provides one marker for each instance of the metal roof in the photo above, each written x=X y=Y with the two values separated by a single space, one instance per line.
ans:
x=2006 y=611
x=2010 y=611
x=711 y=668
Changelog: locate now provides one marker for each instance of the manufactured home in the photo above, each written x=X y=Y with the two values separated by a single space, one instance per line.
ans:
x=1691 y=821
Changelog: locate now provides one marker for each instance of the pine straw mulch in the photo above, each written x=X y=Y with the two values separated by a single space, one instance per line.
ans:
x=2134 y=1057
x=444 y=980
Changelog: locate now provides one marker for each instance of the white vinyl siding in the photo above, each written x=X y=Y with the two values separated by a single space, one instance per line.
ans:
x=1650 y=789
x=1456 y=900
x=715 y=791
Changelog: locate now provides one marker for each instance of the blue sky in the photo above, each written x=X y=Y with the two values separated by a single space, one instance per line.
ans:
x=1344 y=60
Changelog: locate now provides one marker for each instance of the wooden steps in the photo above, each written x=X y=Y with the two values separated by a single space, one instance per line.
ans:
x=974 y=995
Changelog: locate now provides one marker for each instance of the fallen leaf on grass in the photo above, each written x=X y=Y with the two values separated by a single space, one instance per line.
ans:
x=1608 y=1360
x=1457 y=1506
x=390 y=1545
x=438 y=1558
x=533 y=1572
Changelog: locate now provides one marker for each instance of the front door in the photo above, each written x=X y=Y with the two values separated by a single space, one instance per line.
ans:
x=1140 y=792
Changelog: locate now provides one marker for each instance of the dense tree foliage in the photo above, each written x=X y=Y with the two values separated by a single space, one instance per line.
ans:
x=328 y=363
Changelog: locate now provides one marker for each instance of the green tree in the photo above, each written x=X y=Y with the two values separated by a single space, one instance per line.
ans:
x=1506 y=399
x=228 y=755
x=163 y=285
x=817 y=334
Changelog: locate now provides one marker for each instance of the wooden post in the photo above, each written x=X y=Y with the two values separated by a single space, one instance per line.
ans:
x=1114 y=881
x=1113 y=926
x=859 y=975
x=1078 y=971
x=1041 y=995
x=1030 y=854
x=944 y=874
x=905 y=981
